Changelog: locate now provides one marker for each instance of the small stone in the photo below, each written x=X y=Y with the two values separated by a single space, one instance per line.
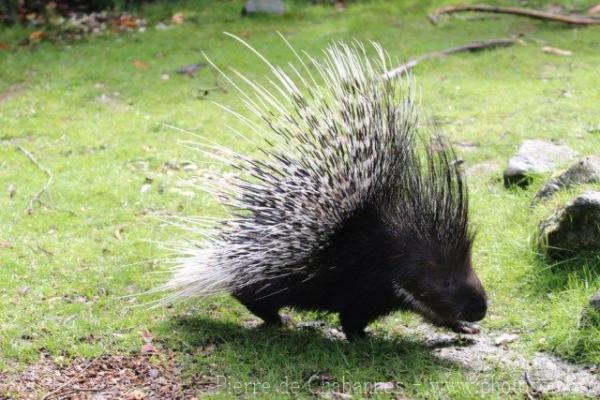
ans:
x=23 y=290
x=535 y=157
x=190 y=69
x=574 y=228
x=584 y=171
x=189 y=166
x=505 y=338
x=341 y=396
x=153 y=373
x=384 y=386
x=11 y=190
x=264 y=6
x=162 y=27
x=146 y=187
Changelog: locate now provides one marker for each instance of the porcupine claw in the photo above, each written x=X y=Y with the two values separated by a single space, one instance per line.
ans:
x=464 y=327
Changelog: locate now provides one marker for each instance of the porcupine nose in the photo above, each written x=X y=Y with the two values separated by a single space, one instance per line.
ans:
x=476 y=309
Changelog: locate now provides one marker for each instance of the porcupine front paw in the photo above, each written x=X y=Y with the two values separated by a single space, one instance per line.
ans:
x=464 y=327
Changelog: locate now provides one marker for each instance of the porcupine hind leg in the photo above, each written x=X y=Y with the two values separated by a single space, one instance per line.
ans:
x=354 y=324
x=268 y=312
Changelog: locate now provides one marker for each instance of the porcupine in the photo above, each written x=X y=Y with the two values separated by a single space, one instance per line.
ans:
x=351 y=209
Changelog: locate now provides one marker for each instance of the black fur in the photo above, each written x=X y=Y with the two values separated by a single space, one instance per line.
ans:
x=412 y=239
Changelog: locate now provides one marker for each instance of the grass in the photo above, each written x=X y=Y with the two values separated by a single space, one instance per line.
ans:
x=101 y=126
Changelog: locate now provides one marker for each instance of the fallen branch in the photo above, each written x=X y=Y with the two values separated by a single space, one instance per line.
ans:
x=470 y=47
x=523 y=12
x=205 y=91
x=45 y=188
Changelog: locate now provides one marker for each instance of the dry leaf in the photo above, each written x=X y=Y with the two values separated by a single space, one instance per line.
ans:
x=594 y=10
x=126 y=21
x=140 y=64
x=147 y=348
x=340 y=6
x=136 y=395
x=557 y=51
x=4 y=46
x=37 y=35
x=505 y=338
x=178 y=18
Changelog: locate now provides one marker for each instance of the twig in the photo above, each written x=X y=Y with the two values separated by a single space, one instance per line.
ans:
x=45 y=188
x=523 y=12
x=70 y=381
x=48 y=253
x=469 y=47
x=67 y=394
x=206 y=90
x=532 y=392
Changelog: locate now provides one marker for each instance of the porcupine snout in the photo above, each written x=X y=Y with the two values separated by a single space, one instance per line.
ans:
x=476 y=304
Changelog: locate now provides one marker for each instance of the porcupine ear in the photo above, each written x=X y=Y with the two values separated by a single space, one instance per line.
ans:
x=432 y=198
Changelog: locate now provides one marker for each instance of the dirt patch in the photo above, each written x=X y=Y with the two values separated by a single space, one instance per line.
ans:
x=133 y=377
x=483 y=168
x=466 y=146
x=114 y=102
x=12 y=91
x=495 y=361
x=540 y=374
x=485 y=354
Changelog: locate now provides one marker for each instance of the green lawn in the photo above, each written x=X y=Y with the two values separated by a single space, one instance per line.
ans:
x=101 y=125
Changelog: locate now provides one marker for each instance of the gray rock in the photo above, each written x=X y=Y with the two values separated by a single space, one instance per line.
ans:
x=481 y=359
x=264 y=6
x=535 y=157
x=595 y=301
x=590 y=316
x=584 y=171
x=574 y=228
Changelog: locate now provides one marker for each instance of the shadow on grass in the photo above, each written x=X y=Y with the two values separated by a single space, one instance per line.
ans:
x=304 y=357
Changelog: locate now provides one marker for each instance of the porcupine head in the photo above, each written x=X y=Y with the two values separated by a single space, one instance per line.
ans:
x=349 y=207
